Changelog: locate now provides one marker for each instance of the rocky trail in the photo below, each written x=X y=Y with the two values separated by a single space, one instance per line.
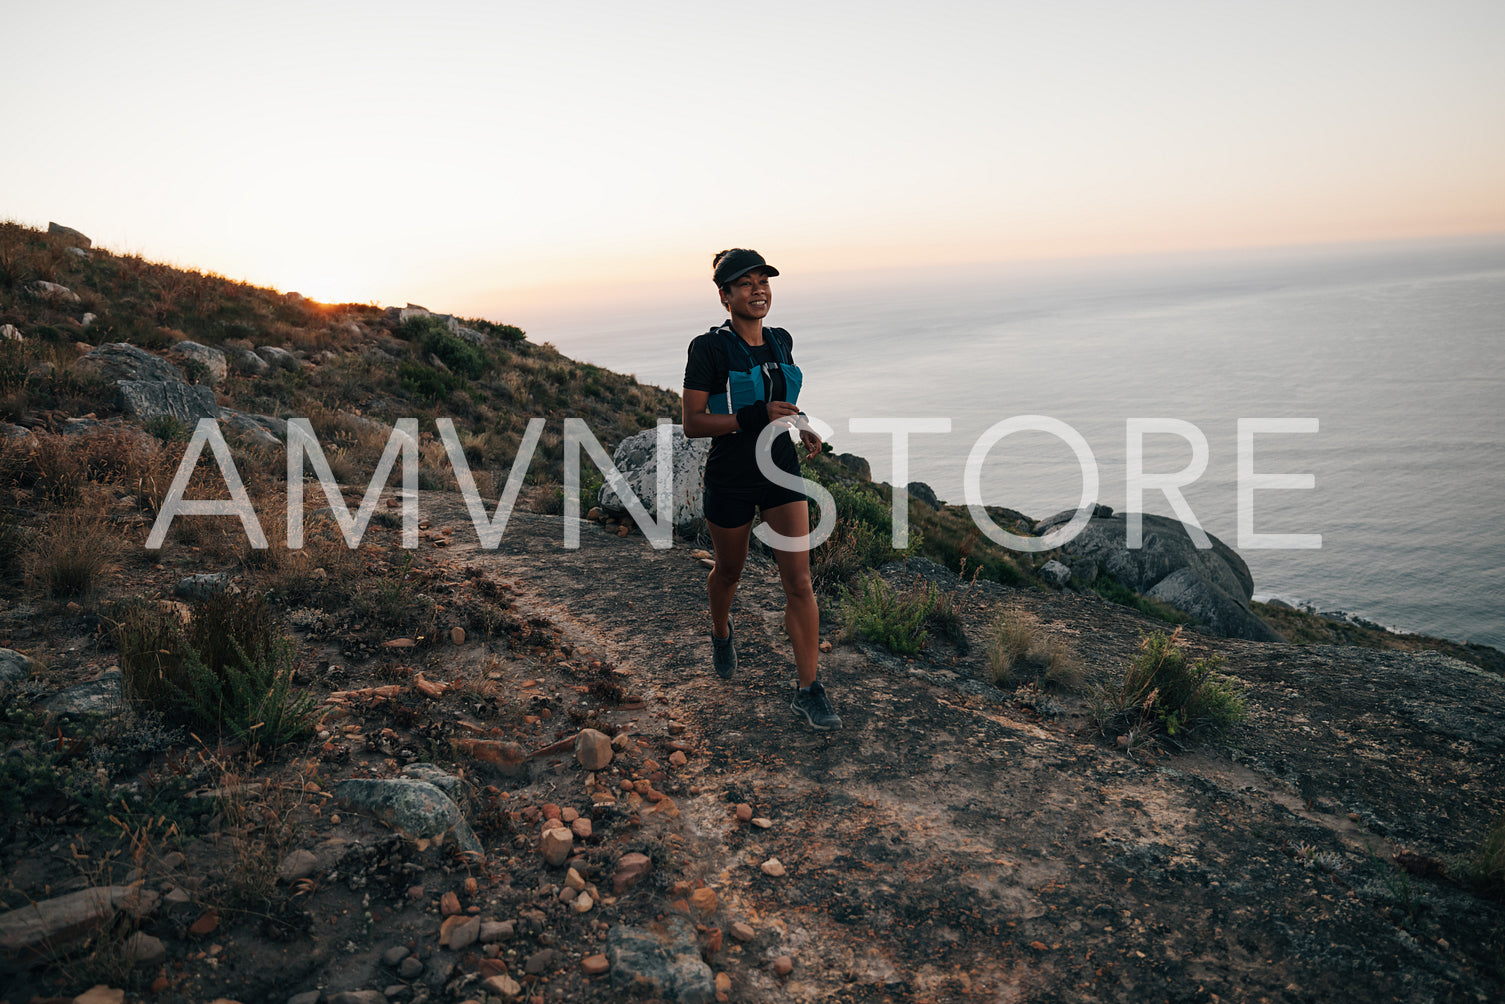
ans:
x=953 y=843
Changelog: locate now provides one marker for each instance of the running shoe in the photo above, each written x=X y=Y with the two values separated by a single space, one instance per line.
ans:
x=811 y=703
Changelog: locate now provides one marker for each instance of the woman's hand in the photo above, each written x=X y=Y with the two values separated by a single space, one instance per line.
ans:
x=811 y=440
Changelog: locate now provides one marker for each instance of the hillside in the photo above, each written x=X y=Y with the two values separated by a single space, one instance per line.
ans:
x=979 y=830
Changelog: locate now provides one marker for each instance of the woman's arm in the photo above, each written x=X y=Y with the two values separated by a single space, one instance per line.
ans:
x=700 y=423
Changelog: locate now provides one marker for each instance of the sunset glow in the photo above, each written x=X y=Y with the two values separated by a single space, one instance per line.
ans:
x=478 y=157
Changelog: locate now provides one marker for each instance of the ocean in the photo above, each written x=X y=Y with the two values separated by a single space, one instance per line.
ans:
x=1392 y=351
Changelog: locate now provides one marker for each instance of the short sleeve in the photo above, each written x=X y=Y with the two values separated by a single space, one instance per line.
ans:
x=705 y=369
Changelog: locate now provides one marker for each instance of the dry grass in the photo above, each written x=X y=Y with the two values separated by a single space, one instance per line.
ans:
x=73 y=553
x=1017 y=647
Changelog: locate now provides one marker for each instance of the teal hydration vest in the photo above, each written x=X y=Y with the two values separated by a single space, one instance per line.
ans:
x=747 y=385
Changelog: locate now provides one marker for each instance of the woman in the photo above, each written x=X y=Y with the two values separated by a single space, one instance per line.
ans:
x=739 y=379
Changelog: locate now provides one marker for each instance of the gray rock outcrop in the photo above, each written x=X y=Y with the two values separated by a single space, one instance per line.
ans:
x=1054 y=573
x=637 y=459
x=663 y=959
x=414 y=807
x=100 y=696
x=278 y=358
x=52 y=291
x=14 y=667
x=51 y=924
x=1213 y=584
x=124 y=361
x=145 y=400
x=73 y=237
x=212 y=359
x=250 y=363
x=262 y=429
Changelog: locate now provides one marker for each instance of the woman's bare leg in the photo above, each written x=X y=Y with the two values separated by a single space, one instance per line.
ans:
x=721 y=584
x=801 y=612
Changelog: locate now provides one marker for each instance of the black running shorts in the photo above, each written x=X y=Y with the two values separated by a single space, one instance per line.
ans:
x=733 y=507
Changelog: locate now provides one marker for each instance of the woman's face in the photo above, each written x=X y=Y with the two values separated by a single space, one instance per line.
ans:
x=748 y=296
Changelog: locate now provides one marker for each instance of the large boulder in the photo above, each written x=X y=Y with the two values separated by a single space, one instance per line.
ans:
x=52 y=291
x=250 y=363
x=1212 y=584
x=212 y=359
x=262 y=429
x=637 y=460
x=278 y=358
x=145 y=400
x=69 y=235
x=124 y=361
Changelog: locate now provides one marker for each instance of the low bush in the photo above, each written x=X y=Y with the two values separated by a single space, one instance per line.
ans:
x=227 y=671
x=1016 y=646
x=900 y=619
x=1162 y=691
x=72 y=553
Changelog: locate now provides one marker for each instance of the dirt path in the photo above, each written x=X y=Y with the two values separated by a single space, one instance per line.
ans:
x=951 y=844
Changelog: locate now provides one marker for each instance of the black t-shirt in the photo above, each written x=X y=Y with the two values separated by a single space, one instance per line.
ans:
x=733 y=460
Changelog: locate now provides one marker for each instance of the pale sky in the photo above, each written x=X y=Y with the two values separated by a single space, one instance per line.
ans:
x=479 y=157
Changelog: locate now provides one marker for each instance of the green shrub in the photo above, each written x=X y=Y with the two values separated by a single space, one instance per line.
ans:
x=1160 y=690
x=900 y=620
x=227 y=671
x=167 y=428
x=426 y=382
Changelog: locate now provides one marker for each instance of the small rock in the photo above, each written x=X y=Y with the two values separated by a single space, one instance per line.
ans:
x=825 y=646
x=556 y=846
x=783 y=965
x=357 y=997
x=581 y=828
x=704 y=900
x=306 y=997
x=723 y=983
x=393 y=956
x=298 y=864
x=744 y=812
x=595 y=965
x=630 y=868
x=457 y=635
x=574 y=880
x=592 y=749
x=762 y=822
x=207 y=922
x=774 y=867
x=583 y=903
x=1054 y=573
x=100 y=995
x=503 y=984
x=539 y=961
x=678 y=759
x=144 y=950
x=459 y=932
x=743 y=931
x=449 y=905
